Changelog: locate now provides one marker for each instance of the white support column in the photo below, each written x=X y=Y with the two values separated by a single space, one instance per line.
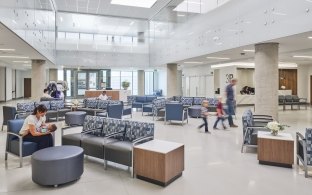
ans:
x=141 y=82
x=172 y=80
x=38 y=78
x=266 y=79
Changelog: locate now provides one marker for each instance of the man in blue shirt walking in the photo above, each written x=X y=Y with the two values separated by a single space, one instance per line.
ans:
x=229 y=92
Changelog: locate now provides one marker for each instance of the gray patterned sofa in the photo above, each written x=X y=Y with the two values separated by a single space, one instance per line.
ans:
x=110 y=139
x=56 y=109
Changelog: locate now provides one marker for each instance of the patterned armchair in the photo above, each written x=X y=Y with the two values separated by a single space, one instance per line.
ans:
x=187 y=101
x=25 y=109
x=304 y=149
x=90 y=106
x=60 y=107
x=251 y=126
x=175 y=112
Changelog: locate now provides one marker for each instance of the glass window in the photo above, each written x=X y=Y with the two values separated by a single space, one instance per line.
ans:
x=60 y=75
x=135 y=83
x=69 y=83
x=100 y=38
x=115 y=80
x=149 y=83
x=85 y=36
x=127 y=76
x=72 y=36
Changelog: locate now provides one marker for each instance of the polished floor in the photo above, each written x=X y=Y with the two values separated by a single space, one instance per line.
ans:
x=213 y=165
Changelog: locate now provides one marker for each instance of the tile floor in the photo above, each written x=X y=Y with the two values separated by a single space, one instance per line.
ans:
x=213 y=165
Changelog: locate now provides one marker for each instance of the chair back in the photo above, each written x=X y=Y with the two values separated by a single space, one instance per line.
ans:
x=14 y=126
x=115 y=111
x=288 y=98
x=138 y=130
x=247 y=121
x=9 y=113
x=308 y=137
x=174 y=111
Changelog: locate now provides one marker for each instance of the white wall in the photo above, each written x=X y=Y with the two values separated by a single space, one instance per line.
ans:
x=246 y=78
x=2 y=83
x=224 y=78
x=9 y=84
x=303 y=82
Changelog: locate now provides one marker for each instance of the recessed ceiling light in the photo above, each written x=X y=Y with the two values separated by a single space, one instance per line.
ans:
x=180 y=15
x=135 y=3
x=218 y=58
x=309 y=37
x=192 y=62
x=310 y=57
x=249 y=50
x=7 y=49
x=252 y=65
x=22 y=57
x=131 y=23
x=21 y=62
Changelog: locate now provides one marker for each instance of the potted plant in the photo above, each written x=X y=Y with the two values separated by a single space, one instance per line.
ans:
x=125 y=85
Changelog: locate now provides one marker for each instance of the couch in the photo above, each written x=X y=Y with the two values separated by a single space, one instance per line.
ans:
x=292 y=100
x=139 y=101
x=110 y=139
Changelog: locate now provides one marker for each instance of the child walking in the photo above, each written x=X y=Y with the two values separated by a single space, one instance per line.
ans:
x=204 y=115
x=220 y=114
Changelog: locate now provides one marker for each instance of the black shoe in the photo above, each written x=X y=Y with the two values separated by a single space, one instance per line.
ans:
x=233 y=125
x=215 y=128
x=208 y=132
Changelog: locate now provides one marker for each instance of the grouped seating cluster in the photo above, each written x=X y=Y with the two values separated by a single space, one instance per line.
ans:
x=56 y=109
x=139 y=101
x=94 y=107
x=292 y=100
x=110 y=139
x=304 y=149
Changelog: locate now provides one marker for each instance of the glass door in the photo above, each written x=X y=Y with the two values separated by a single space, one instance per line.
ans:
x=81 y=83
x=93 y=81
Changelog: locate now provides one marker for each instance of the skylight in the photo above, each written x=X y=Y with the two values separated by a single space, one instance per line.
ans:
x=135 y=3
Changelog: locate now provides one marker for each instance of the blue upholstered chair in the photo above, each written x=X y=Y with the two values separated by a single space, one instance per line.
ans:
x=251 y=125
x=175 y=112
x=15 y=144
x=9 y=113
x=304 y=149
x=115 y=111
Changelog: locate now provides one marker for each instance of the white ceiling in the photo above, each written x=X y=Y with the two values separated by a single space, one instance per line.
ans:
x=104 y=7
x=288 y=47
x=9 y=40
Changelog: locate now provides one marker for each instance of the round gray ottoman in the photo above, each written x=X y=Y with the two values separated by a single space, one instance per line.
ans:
x=75 y=118
x=57 y=165
x=194 y=111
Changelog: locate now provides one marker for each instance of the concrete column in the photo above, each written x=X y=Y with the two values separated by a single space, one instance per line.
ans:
x=141 y=82
x=266 y=79
x=53 y=75
x=172 y=80
x=38 y=78
x=179 y=82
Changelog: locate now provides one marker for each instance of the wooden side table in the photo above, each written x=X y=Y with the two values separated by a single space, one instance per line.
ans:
x=275 y=150
x=159 y=162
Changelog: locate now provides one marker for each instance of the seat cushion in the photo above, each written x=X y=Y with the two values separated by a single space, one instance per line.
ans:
x=74 y=139
x=28 y=147
x=119 y=152
x=137 y=105
x=94 y=146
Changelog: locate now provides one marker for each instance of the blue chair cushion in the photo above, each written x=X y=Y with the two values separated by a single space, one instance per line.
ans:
x=140 y=99
x=150 y=98
x=28 y=147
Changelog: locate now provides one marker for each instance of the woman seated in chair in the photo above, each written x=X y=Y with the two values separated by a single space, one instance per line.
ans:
x=34 y=128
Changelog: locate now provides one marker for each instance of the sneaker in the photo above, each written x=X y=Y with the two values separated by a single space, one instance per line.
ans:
x=224 y=127
x=233 y=125
x=208 y=132
x=215 y=128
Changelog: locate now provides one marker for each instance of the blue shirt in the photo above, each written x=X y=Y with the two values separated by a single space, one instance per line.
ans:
x=229 y=92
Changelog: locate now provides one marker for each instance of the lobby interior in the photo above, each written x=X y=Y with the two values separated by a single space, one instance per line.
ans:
x=168 y=49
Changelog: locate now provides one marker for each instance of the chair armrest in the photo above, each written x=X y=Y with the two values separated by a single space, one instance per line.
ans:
x=299 y=136
x=303 y=99
x=17 y=135
x=261 y=115
x=136 y=141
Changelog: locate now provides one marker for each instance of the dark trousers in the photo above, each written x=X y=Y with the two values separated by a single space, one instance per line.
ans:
x=204 y=124
x=218 y=119
x=43 y=141
x=230 y=110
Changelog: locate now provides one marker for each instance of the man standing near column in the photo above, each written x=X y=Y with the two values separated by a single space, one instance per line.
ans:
x=229 y=92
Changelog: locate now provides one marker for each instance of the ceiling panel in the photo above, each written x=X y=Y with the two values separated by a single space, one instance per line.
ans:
x=103 y=7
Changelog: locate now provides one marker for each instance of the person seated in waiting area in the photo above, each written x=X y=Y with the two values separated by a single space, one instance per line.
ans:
x=36 y=130
x=103 y=96
x=46 y=94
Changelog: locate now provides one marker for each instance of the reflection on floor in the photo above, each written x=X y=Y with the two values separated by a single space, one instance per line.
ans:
x=213 y=165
